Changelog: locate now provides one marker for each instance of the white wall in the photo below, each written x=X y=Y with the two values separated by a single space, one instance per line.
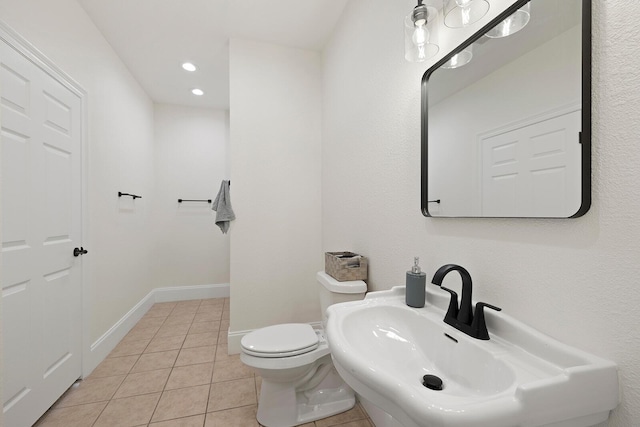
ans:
x=576 y=280
x=275 y=123
x=120 y=153
x=191 y=148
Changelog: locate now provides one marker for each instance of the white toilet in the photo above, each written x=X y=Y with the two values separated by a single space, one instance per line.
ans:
x=299 y=382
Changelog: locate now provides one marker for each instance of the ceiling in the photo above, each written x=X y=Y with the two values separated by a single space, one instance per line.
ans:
x=154 y=37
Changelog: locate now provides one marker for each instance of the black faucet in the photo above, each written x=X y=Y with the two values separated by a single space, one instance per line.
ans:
x=462 y=318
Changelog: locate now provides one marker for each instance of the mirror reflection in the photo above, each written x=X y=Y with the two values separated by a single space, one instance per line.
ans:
x=505 y=128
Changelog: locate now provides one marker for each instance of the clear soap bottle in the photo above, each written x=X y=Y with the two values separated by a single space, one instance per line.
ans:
x=415 y=287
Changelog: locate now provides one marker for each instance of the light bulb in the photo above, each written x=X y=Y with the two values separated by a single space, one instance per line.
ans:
x=462 y=13
x=459 y=59
x=419 y=38
x=420 y=35
x=466 y=16
x=512 y=24
x=455 y=61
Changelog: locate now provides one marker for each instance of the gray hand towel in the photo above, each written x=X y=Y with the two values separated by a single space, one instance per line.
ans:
x=222 y=206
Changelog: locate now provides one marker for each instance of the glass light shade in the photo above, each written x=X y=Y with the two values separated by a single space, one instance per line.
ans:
x=514 y=23
x=460 y=59
x=462 y=13
x=197 y=92
x=417 y=44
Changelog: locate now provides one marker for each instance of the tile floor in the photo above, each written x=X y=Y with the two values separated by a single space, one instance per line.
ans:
x=172 y=370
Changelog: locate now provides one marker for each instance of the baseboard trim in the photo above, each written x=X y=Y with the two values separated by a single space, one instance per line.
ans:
x=233 y=341
x=108 y=341
x=183 y=293
x=234 y=338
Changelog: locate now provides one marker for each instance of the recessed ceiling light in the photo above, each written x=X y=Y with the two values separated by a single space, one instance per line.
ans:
x=189 y=66
x=198 y=92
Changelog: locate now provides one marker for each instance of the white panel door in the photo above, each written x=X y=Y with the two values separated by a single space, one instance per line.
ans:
x=41 y=224
x=533 y=170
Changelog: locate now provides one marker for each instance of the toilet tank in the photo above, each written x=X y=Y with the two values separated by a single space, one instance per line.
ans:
x=334 y=292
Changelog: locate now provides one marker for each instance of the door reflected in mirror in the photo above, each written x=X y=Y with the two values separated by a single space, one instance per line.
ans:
x=508 y=133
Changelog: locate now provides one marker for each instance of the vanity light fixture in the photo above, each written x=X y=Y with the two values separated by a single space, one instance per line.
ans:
x=514 y=23
x=462 y=13
x=198 y=92
x=188 y=66
x=417 y=45
x=460 y=59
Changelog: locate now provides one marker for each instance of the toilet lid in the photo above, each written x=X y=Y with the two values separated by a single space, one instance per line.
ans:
x=284 y=340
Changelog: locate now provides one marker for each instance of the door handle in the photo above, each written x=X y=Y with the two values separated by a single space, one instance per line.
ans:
x=79 y=251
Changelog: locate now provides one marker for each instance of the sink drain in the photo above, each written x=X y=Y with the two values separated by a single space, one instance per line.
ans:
x=432 y=382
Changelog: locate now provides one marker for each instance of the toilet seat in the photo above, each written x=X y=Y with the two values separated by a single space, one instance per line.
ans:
x=289 y=339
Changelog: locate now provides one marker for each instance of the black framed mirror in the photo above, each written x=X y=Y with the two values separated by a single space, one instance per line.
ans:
x=508 y=134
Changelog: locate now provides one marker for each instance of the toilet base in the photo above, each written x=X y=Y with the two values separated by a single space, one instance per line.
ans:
x=283 y=405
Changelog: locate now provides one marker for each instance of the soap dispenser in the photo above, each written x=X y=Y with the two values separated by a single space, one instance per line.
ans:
x=416 y=282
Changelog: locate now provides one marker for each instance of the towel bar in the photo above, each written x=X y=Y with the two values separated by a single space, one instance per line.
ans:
x=194 y=200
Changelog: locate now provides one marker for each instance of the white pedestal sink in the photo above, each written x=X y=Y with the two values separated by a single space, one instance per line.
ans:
x=520 y=377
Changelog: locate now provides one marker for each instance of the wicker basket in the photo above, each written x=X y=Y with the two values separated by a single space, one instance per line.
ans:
x=345 y=266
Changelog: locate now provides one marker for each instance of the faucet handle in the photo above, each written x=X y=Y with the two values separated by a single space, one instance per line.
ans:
x=452 y=312
x=479 y=326
x=486 y=304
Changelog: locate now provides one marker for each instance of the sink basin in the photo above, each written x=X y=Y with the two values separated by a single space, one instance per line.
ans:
x=520 y=377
